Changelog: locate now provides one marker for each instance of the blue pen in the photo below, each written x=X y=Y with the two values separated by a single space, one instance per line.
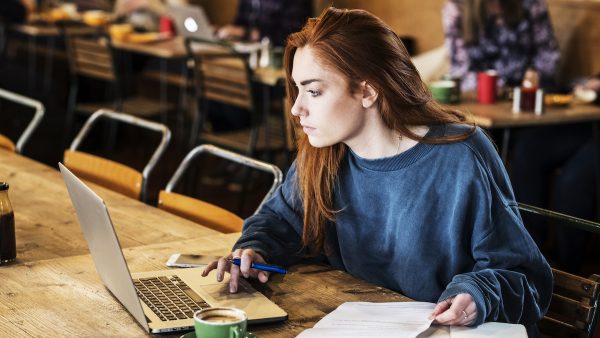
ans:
x=258 y=266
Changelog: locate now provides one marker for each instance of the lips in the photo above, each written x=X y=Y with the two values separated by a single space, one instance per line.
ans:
x=307 y=129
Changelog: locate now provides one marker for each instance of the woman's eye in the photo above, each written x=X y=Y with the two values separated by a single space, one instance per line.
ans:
x=314 y=93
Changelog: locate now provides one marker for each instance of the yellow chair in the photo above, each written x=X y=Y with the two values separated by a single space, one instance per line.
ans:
x=6 y=142
x=206 y=213
x=110 y=174
x=574 y=308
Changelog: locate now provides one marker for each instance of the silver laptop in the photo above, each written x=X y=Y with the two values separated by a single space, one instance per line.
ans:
x=161 y=301
x=191 y=21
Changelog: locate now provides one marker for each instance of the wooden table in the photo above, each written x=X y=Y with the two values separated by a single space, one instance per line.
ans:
x=46 y=224
x=500 y=115
x=175 y=49
x=54 y=290
x=65 y=297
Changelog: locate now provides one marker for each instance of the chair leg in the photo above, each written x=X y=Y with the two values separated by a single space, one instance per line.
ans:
x=70 y=116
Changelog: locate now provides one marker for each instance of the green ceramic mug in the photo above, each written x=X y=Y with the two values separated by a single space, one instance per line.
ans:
x=220 y=322
x=443 y=91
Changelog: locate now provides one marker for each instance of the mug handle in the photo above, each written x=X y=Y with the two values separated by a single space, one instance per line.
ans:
x=236 y=332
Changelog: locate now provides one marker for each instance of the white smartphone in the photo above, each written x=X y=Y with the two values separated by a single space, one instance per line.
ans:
x=190 y=261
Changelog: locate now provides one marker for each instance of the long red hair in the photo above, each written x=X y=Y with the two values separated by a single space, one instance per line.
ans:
x=361 y=47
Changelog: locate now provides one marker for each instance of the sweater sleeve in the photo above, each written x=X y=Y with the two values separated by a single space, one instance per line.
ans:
x=510 y=281
x=276 y=230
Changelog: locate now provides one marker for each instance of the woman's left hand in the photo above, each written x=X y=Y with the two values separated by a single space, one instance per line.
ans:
x=459 y=310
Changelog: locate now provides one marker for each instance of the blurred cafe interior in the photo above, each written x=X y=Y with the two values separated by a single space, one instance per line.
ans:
x=175 y=113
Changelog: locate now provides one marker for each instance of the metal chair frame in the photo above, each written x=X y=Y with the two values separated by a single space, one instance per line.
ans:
x=35 y=121
x=135 y=121
x=231 y=156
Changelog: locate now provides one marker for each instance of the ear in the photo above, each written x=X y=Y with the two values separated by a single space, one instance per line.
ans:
x=369 y=94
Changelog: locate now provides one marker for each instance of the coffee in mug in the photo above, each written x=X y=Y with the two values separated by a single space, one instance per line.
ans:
x=220 y=322
x=221 y=319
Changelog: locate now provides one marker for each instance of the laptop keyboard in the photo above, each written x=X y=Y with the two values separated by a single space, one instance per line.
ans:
x=169 y=297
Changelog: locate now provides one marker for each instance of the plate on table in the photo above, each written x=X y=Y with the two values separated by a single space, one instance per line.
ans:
x=558 y=100
x=148 y=37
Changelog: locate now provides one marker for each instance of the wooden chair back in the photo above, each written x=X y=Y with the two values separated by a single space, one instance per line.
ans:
x=205 y=213
x=89 y=55
x=573 y=310
x=199 y=211
x=221 y=74
x=574 y=306
x=110 y=174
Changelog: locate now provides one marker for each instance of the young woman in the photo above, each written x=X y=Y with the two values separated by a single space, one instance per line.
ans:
x=391 y=187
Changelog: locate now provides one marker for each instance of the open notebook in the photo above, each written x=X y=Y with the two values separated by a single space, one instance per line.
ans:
x=399 y=319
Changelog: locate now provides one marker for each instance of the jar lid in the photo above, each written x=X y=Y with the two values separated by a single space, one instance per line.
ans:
x=3 y=186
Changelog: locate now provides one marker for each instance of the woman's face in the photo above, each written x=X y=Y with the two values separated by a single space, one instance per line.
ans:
x=328 y=112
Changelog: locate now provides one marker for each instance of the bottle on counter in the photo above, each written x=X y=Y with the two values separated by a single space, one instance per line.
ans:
x=8 y=243
x=529 y=89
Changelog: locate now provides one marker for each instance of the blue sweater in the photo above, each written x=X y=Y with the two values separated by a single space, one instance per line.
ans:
x=430 y=223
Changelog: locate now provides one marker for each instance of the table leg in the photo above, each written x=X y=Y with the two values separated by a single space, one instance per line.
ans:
x=266 y=111
x=163 y=90
x=32 y=66
x=48 y=66
x=596 y=138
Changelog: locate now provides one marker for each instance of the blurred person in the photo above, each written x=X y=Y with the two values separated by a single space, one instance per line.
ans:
x=144 y=14
x=508 y=36
x=274 y=19
x=551 y=166
x=387 y=182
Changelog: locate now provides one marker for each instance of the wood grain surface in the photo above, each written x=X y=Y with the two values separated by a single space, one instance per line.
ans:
x=65 y=297
x=46 y=223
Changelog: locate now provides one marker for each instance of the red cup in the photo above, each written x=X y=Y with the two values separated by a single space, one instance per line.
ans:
x=486 y=86
x=166 y=25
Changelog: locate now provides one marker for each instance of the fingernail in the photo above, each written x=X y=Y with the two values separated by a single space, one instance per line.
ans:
x=219 y=277
x=246 y=275
x=232 y=289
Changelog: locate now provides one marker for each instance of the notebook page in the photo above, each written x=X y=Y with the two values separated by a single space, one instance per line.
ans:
x=361 y=319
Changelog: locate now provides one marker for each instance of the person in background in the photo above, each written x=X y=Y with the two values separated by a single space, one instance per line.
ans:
x=551 y=166
x=145 y=14
x=508 y=36
x=16 y=11
x=274 y=19
x=392 y=187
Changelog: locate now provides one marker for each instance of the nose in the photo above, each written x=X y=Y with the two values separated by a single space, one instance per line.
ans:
x=297 y=108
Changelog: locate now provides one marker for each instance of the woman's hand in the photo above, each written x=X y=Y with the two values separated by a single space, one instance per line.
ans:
x=246 y=256
x=231 y=32
x=458 y=311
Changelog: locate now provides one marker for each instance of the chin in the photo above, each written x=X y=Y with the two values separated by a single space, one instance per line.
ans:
x=317 y=143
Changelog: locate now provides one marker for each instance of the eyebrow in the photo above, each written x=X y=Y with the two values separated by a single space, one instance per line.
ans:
x=305 y=82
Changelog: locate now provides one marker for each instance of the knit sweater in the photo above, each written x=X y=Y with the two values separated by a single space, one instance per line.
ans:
x=431 y=222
